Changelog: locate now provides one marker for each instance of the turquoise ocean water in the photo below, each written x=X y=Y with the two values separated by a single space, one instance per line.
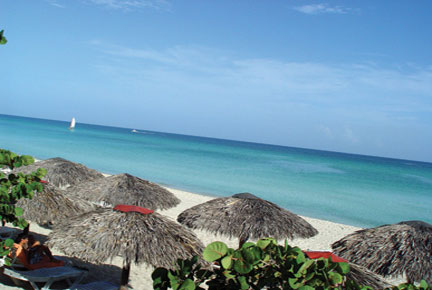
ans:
x=352 y=189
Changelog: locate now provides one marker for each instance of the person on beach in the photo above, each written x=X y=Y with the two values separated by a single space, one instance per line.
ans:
x=32 y=254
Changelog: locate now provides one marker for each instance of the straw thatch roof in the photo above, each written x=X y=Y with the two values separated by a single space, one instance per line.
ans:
x=61 y=172
x=364 y=277
x=391 y=250
x=102 y=234
x=125 y=189
x=51 y=206
x=246 y=216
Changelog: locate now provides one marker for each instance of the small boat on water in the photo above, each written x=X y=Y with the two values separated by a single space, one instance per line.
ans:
x=72 y=124
x=134 y=131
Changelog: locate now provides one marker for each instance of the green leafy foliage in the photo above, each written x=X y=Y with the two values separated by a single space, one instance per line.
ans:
x=264 y=265
x=14 y=186
x=215 y=251
x=2 y=38
x=185 y=275
x=407 y=286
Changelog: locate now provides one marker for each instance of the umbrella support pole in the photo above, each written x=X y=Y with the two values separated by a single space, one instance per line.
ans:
x=243 y=239
x=125 y=277
x=26 y=230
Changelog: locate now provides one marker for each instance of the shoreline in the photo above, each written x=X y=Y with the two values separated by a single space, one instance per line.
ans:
x=208 y=196
x=329 y=232
x=193 y=198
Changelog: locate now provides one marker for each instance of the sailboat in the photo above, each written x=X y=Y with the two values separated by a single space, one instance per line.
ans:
x=72 y=124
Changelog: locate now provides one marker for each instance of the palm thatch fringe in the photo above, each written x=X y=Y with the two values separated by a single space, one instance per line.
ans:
x=125 y=189
x=365 y=277
x=246 y=216
x=103 y=234
x=61 y=172
x=391 y=250
x=52 y=206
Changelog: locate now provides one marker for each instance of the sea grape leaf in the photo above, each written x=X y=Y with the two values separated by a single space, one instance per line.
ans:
x=305 y=266
x=335 y=278
x=27 y=159
x=243 y=283
x=423 y=284
x=215 y=251
x=343 y=267
x=247 y=245
x=263 y=243
x=306 y=287
x=188 y=284
x=248 y=255
x=8 y=243
x=240 y=265
x=18 y=211
x=174 y=280
x=227 y=262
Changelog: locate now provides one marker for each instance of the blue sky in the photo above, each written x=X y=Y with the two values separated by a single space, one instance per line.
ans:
x=347 y=76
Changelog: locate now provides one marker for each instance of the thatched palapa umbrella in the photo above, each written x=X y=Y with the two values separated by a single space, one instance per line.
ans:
x=61 y=172
x=246 y=216
x=51 y=206
x=138 y=235
x=391 y=250
x=125 y=189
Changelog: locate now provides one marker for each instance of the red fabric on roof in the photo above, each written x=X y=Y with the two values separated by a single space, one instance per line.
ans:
x=325 y=255
x=134 y=208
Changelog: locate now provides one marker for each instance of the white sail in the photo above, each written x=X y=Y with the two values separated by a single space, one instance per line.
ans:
x=72 y=124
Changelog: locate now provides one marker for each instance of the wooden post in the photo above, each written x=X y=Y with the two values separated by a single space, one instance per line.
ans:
x=242 y=239
x=125 y=277
x=26 y=230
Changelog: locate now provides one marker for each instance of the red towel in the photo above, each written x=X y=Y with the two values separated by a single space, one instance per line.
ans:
x=325 y=255
x=129 y=208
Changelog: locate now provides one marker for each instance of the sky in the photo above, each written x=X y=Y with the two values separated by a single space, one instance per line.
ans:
x=346 y=76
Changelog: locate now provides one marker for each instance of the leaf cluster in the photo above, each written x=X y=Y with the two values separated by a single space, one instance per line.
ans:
x=186 y=274
x=264 y=265
x=2 y=38
x=14 y=186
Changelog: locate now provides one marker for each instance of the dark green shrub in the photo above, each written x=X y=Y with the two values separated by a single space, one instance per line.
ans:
x=264 y=265
x=253 y=266
x=2 y=38
x=14 y=186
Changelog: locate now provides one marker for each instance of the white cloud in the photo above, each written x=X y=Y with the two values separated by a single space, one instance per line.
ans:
x=344 y=90
x=55 y=3
x=314 y=9
x=350 y=136
x=131 y=4
x=326 y=131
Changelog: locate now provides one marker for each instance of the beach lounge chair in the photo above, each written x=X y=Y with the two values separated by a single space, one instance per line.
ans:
x=7 y=232
x=46 y=272
x=17 y=270
x=47 y=276
x=17 y=265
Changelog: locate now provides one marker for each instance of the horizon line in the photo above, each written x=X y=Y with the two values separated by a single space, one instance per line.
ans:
x=232 y=140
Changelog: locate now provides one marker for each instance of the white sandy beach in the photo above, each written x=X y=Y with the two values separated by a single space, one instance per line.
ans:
x=140 y=277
